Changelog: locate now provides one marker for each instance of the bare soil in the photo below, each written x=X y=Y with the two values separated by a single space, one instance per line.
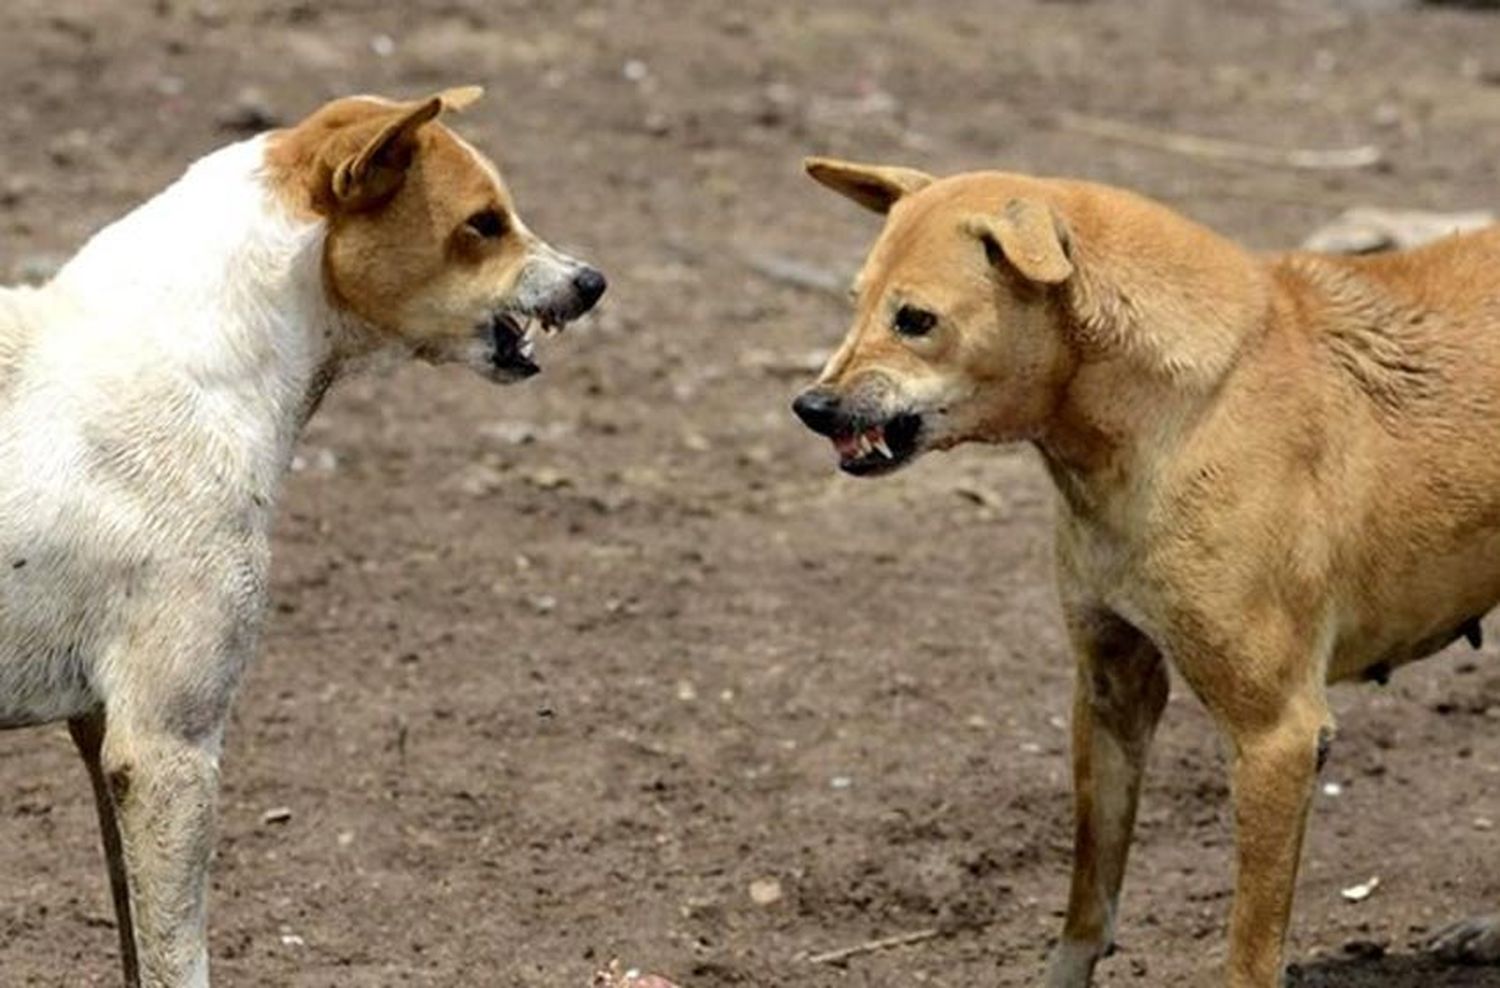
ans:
x=555 y=673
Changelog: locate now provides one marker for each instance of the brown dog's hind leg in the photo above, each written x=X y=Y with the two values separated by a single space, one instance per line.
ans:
x=1470 y=941
x=88 y=736
x=1118 y=699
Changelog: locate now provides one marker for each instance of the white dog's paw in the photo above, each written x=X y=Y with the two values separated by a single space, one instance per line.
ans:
x=1469 y=941
x=1072 y=964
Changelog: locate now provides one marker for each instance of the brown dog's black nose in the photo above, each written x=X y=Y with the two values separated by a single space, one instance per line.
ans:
x=819 y=411
x=589 y=284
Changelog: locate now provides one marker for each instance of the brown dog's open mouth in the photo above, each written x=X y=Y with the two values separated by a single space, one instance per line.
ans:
x=870 y=450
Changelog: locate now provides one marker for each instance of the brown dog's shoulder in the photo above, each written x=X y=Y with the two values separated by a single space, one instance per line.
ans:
x=1179 y=296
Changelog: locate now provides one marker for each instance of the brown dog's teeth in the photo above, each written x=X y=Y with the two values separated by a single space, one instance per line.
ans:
x=883 y=448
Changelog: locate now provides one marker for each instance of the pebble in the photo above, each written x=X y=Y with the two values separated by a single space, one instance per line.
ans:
x=250 y=113
x=657 y=124
x=1366 y=229
x=36 y=269
x=277 y=814
x=516 y=432
x=478 y=480
x=765 y=891
x=321 y=459
x=547 y=478
x=13 y=189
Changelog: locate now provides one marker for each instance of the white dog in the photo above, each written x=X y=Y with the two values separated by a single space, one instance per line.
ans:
x=150 y=396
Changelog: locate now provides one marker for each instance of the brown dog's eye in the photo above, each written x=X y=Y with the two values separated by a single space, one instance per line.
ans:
x=914 y=322
x=488 y=223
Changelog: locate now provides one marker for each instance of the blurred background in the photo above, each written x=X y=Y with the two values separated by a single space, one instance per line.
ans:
x=613 y=664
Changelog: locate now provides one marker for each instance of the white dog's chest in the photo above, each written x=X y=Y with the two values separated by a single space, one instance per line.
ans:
x=138 y=472
x=89 y=560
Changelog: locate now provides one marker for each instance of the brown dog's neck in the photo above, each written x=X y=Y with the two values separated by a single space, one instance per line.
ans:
x=1110 y=425
x=1158 y=315
x=1117 y=417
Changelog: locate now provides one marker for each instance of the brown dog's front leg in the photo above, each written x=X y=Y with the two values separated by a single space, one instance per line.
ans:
x=1121 y=691
x=1272 y=781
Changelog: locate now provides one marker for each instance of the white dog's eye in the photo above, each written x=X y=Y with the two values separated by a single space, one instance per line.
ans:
x=488 y=223
x=911 y=321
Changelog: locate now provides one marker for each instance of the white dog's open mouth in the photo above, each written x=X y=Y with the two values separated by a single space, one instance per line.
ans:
x=513 y=338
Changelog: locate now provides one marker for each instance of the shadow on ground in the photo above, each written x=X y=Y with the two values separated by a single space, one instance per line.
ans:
x=1414 y=970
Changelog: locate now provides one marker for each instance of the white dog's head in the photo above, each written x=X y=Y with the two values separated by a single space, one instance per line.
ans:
x=424 y=242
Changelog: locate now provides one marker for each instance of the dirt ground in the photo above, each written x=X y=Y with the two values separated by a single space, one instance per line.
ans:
x=556 y=673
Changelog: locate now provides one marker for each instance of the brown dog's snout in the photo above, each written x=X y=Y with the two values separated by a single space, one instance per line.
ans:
x=820 y=410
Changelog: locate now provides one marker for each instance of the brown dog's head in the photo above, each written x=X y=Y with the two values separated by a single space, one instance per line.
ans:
x=424 y=246
x=956 y=335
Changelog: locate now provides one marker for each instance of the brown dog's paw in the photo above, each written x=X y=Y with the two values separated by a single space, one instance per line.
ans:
x=1469 y=941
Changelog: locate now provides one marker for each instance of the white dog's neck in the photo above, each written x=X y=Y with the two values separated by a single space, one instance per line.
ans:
x=214 y=291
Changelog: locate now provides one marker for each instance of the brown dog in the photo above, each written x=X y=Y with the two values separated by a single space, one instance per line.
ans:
x=1273 y=472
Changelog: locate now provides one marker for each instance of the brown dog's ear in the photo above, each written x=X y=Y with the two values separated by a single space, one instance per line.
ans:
x=875 y=187
x=460 y=98
x=1031 y=237
x=378 y=168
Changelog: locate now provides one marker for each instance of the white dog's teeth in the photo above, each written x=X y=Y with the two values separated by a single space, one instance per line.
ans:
x=884 y=449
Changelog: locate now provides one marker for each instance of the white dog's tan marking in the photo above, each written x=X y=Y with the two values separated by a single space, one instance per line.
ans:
x=1273 y=472
x=150 y=396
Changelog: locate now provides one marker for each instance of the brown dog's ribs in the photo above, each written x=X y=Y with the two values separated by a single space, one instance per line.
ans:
x=1471 y=631
x=1387 y=346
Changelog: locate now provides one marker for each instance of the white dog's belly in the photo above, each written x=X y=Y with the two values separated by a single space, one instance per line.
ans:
x=41 y=687
x=60 y=609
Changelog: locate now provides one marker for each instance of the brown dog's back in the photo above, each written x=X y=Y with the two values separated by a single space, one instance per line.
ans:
x=1385 y=375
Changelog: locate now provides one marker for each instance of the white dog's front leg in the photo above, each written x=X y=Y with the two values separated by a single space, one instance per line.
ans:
x=1072 y=964
x=165 y=788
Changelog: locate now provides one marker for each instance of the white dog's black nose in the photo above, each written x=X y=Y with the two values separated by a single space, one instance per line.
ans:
x=589 y=284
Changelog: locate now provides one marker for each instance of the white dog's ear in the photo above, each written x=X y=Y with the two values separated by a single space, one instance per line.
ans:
x=875 y=187
x=1029 y=236
x=377 y=169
